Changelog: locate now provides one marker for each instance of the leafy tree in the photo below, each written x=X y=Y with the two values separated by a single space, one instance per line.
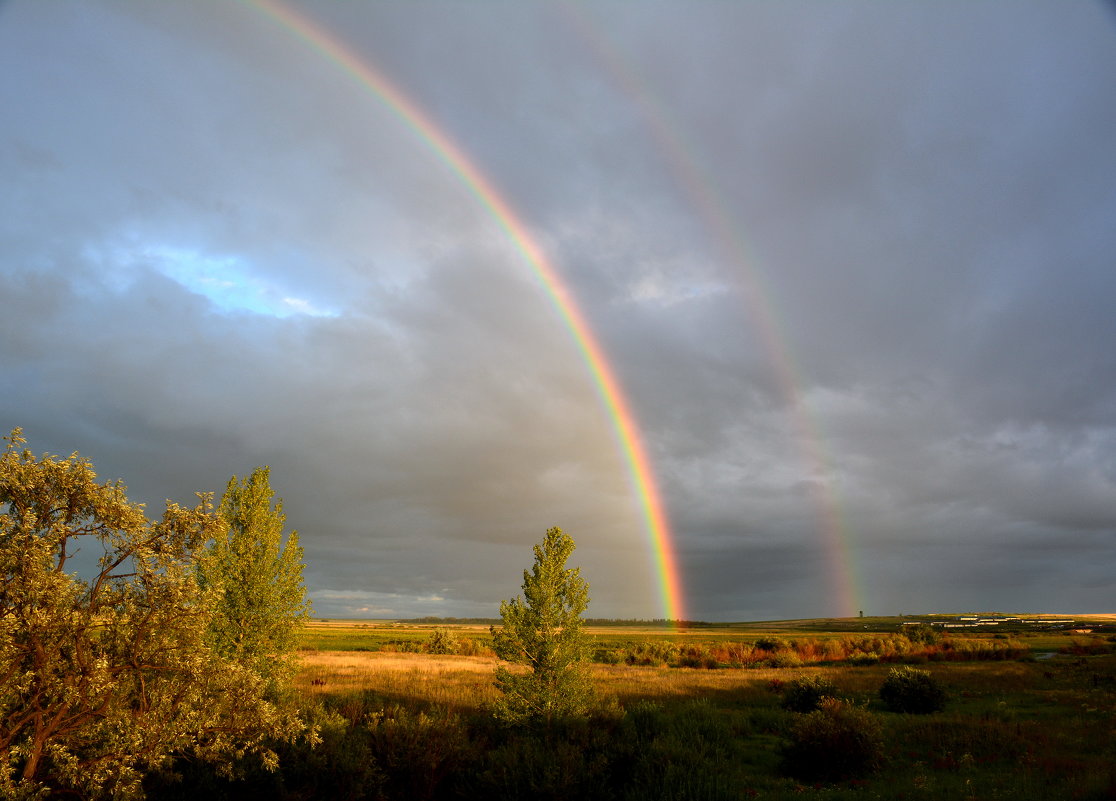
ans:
x=261 y=600
x=106 y=675
x=544 y=632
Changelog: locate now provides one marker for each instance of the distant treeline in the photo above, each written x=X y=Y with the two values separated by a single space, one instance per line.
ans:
x=589 y=621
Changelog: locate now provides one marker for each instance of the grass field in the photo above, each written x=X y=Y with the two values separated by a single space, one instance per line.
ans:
x=1030 y=714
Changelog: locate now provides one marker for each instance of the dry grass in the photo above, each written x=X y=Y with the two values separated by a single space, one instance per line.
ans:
x=465 y=682
x=456 y=681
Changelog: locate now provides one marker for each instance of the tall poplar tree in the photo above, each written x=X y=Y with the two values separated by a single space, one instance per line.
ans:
x=544 y=631
x=261 y=600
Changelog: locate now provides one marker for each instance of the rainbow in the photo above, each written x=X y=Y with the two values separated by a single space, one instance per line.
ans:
x=701 y=190
x=481 y=187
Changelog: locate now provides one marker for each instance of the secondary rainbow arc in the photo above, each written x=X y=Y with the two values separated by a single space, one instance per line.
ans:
x=699 y=186
x=630 y=442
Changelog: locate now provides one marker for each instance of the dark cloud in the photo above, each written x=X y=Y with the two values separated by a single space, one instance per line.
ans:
x=851 y=265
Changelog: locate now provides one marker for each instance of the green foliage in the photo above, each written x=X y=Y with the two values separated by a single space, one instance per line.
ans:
x=260 y=598
x=783 y=659
x=420 y=750
x=110 y=674
x=544 y=632
x=772 y=644
x=442 y=641
x=805 y=693
x=863 y=658
x=837 y=741
x=574 y=758
x=922 y=633
x=908 y=689
x=652 y=653
x=689 y=749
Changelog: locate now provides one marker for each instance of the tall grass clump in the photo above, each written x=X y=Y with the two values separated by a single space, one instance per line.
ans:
x=907 y=689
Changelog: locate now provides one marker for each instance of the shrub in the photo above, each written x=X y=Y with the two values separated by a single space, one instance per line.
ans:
x=861 y=658
x=805 y=693
x=442 y=641
x=607 y=656
x=783 y=659
x=569 y=759
x=419 y=750
x=837 y=741
x=907 y=689
x=771 y=644
x=696 y=656
x=924 y=634
x=652 y=653
x=468 y=646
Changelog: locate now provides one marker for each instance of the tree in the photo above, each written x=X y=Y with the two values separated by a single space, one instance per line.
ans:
x=106 y=675
x=544 y=632
x=261 y=600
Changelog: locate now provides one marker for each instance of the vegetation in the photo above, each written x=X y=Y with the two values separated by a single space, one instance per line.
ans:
x=110 y=675
x=836 y=741
x=259 y=599
x=544 y=632
x=910 y=690
x=806 y=693
x=1014 y=730
x=147 y=672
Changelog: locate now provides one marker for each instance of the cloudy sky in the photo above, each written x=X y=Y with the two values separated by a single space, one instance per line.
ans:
x=853 y=265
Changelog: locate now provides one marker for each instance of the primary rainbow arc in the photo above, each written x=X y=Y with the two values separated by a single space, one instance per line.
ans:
x=482 y=188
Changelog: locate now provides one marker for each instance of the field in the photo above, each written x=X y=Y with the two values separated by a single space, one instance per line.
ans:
x=699 y=714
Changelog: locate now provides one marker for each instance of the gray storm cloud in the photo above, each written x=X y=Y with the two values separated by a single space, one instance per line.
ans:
x=852 y=254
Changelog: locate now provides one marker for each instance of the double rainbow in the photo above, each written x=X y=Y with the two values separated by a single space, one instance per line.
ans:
x=438 y=141
x=700 y=188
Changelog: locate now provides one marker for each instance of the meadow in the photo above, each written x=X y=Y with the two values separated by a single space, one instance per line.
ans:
x=701 y=713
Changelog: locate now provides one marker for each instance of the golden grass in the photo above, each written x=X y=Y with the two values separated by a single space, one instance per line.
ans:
x=466 y=682
x=458 y=681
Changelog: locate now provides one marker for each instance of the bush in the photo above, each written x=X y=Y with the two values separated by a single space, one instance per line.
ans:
x=653 y=654
x=696 y=656
x=861 y=658
x=442 y=641
x=907 y=689
x=924 y=634
x=837 y=741
x=771 y=644
x=569 y=759
x=420 y=751
x=805 y=693
x=607 y=656
x=783 y=659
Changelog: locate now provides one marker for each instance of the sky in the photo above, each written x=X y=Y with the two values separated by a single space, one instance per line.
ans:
x=851 y=264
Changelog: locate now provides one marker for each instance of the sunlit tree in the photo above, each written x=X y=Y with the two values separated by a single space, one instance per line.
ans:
x=108 y=671
x=260 y=601
x=544 y=631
